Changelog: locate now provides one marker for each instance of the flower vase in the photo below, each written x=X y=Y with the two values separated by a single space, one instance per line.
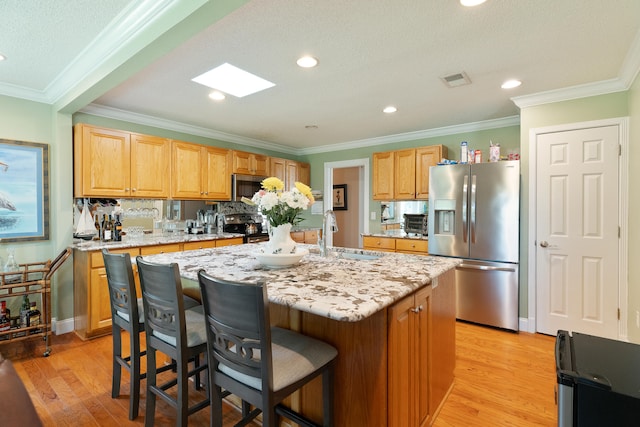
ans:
x=280 y=241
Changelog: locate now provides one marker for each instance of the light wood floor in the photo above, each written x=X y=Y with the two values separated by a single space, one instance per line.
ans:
x=502 y=379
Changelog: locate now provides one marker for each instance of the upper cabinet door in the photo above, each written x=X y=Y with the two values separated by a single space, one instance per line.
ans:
x=425 y=158
x=250 y=163
x=187 y=171
x=405 y=174
x=304 y=173
x=218 y=174
x=150 y=175
x=383 y=175
x=101 y=162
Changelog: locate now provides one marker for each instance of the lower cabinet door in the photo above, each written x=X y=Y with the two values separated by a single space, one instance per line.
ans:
x=99 y=315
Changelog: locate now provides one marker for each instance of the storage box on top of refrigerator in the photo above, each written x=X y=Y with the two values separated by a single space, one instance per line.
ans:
x=474 y=214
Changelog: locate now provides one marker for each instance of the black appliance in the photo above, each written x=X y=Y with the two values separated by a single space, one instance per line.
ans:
x=245 y=186
x=598 y=381
x=416 y=223
x=248 y=224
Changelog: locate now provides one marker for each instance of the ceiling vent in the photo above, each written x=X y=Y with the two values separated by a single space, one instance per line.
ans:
x=455 y=80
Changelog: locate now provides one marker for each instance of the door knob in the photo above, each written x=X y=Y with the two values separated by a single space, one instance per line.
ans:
x=544 y=244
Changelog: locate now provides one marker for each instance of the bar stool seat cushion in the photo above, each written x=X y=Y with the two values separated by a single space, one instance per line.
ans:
x=195 y=325
x=294 y=357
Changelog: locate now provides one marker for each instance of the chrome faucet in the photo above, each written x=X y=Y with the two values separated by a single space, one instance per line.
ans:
x=328 y=221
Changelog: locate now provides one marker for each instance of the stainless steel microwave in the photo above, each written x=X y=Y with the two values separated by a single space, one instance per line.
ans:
x=245 y=186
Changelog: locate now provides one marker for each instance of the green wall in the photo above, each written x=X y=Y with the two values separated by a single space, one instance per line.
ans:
x=24 y=120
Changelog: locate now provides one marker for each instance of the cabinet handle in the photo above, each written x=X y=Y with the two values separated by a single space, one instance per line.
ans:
x=126 y=189
x=134 y=189
x=417 y=309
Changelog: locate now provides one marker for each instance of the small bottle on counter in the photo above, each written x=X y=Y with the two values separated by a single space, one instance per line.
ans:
x=34 y=315
x=5 y=317
x=107 y=229
x=24 y=312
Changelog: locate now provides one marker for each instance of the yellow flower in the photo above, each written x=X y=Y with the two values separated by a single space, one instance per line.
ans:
x=306 y=190
x=272 y=184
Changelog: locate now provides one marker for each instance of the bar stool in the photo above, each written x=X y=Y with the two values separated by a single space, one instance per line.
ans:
x=260 y=364
x=126 y=315
x=175 y=331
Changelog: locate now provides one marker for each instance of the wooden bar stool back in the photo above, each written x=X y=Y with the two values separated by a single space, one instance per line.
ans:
x=260 y=364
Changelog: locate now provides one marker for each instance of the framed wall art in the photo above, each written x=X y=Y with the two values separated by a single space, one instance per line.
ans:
x=340 y=197
x=24 y=191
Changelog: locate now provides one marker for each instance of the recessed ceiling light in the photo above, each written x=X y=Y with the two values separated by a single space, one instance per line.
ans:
x=510 y=84
x=233 y=80
x=217 y=96
x=390 y=109
x=471 y=3
x=307 y=62
x=2 y=57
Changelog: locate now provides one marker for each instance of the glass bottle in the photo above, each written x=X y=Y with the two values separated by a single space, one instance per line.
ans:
x=11 y=265
x=24 y=312
x=5 y=323
x=34 y=315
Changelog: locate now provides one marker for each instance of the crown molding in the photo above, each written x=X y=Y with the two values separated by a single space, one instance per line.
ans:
x=566 y=94
x=142 y=119
x=411 y=136
x=128 y=116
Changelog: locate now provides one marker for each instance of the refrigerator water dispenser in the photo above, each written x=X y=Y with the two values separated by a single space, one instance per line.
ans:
x=445 y=216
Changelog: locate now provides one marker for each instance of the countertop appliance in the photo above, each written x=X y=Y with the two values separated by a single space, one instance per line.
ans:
x=251 y=225
x=598 y=381
x=474 y=214
x=416 y=223
x=245 y=186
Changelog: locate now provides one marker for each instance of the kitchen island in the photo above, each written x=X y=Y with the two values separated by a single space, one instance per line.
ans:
x=391 y=317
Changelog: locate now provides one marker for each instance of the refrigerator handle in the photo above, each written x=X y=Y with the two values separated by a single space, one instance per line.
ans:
x=472 y=215
x=465 y=185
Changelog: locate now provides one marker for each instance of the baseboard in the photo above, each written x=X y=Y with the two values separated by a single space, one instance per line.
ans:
x=61 y=327
x=526 y=324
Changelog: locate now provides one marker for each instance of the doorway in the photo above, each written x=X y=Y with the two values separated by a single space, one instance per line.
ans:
x=358 y=200
x=576 y=248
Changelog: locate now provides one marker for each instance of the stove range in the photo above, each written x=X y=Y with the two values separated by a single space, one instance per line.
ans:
x=248 y=224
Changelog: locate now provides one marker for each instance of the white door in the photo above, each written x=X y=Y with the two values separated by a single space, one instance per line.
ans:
x=577 y=231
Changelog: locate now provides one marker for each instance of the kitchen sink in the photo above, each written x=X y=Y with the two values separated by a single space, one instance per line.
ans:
x=358 y=256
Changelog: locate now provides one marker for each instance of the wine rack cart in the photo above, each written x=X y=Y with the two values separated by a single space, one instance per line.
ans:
x=31 y=278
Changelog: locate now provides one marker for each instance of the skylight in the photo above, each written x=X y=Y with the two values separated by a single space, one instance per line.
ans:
x=233 y=80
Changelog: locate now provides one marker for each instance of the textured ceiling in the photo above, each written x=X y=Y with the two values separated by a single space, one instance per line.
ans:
x=371 y=53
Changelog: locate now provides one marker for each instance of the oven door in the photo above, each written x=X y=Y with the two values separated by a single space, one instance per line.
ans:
x=256 y=238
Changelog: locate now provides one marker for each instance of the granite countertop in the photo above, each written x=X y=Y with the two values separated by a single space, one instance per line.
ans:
x=148 y=240
x=333 y=287
x=398 y=234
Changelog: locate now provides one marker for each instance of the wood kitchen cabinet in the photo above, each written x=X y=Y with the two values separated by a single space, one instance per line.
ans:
x=306 y=236
x=374 y=243
x=91 y=306
x=409 y=360
x=200 y=172
x=289 y=171
x=250 y=163
x=395 y=244
x=114 y=163
x=383 y=177
x=412 y=171
x=404 y=174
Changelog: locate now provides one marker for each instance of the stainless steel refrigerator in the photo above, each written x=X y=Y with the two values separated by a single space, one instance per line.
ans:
x=474 y=214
